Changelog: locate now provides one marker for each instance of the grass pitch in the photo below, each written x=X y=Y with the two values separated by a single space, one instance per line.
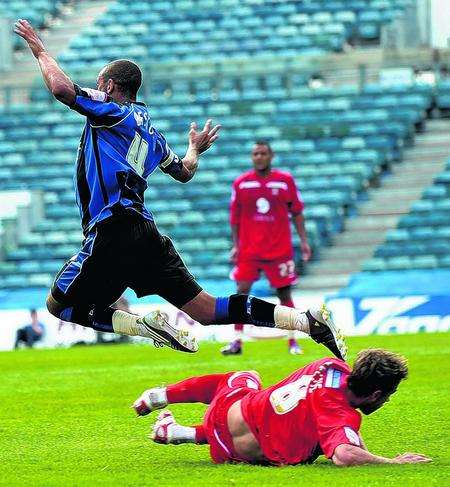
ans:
x=66 y=417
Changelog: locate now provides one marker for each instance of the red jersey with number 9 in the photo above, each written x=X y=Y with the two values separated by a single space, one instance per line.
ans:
x=304 y=415
x=260 y=206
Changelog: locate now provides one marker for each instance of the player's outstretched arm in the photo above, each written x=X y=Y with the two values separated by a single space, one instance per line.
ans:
x=199 y=142
x=59 y=84
x=349 y=455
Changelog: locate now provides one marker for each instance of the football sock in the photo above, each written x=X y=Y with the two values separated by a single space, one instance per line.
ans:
x=289 y=303
x=200 y=435
x=244 y=308
x=238 y=331
x=291 y=334
x=196 y=389
x=107 y=320
x=84 y=315
x=126 y=323
x=158 y=397
x=183 y=434
x=290 y=319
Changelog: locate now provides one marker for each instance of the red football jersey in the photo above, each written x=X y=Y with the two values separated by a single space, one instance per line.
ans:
x=260 y=206
x=304 y=415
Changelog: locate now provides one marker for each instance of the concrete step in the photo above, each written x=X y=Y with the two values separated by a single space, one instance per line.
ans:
x=437 y=124
x=323 y=283
x=359 y=238
x=367 y=222
x=425 y=168
x=341 y=265
x=434 y=138
x=394 y=208
x=426 y=154
x=393 y=193
x=341 y=251
x=412 y=179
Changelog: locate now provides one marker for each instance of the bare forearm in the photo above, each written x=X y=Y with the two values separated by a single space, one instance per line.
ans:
x=235 y=234
x=190 y=164
x=347 y=455
x=299 y=222
x=59 y=84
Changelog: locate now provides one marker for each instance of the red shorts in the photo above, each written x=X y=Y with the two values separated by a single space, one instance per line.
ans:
x=279 y=272
x=234 y=387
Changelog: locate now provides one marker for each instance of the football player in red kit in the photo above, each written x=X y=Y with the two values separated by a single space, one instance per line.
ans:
x=312 y=412
x=262 y=204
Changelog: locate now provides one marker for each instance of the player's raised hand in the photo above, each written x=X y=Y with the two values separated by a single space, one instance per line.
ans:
x=202 y=141
x=24 y=29
x=412 y=458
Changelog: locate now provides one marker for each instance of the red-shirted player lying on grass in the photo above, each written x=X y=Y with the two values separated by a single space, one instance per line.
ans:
x=310 y=413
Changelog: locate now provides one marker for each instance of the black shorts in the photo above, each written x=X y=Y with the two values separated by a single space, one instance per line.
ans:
x=117 y=254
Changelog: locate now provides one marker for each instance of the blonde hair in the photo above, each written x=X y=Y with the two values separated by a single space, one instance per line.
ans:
x=377 y=369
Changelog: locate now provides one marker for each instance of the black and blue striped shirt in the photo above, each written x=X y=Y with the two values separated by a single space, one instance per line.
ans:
x=119 y=149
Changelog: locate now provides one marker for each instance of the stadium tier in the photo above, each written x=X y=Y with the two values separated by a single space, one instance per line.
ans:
x=38 y=12
x=422 y=239
x=443 y=96
x=191 y=30
x=333 y=140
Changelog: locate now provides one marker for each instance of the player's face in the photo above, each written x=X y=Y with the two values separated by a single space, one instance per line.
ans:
x=375 y=403
x=261 y=157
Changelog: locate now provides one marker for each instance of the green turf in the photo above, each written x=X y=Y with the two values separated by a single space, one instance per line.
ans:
x=66 y=417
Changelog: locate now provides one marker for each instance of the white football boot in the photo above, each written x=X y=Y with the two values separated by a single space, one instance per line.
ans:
x=155 y=326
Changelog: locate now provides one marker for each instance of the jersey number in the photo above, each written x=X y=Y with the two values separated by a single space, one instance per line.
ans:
x=286 y=398
x=137 y=153
x=286 y=268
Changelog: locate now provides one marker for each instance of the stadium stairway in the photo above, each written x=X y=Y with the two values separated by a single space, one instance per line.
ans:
x=57 y=38
x=385 y=206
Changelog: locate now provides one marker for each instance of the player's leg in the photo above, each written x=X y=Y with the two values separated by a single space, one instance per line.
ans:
x=194 y=389
x=281 y=275
x=97 y=276
x=165 y=273
x=285 y=296
x=235 y=346
x=315 y=322
x=20 y=337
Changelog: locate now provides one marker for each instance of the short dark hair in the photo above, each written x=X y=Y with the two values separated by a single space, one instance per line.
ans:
x=376 y=369
x=126 y=74
x=266 y=143
x=32 y=311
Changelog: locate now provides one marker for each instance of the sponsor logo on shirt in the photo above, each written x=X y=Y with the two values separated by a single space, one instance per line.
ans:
x=262 y=205
x=352 y=436
x=333 y=379
x=139 y=118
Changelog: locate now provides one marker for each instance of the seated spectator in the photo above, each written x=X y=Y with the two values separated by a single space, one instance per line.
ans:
x=31 y=333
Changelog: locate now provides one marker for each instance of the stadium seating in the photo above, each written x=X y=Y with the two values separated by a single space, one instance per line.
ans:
x=195 y=30
x=38 y=12
x=443 y=96
x=422 y=239
x=333 y=140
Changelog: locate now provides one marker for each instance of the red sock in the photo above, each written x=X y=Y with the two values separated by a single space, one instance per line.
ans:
x=238 y=327
x=196 y=389
x=289 y=303
x=200 y=435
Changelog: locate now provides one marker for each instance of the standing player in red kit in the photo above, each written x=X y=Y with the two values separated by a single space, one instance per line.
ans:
x=262 y=202
x=310 y=413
